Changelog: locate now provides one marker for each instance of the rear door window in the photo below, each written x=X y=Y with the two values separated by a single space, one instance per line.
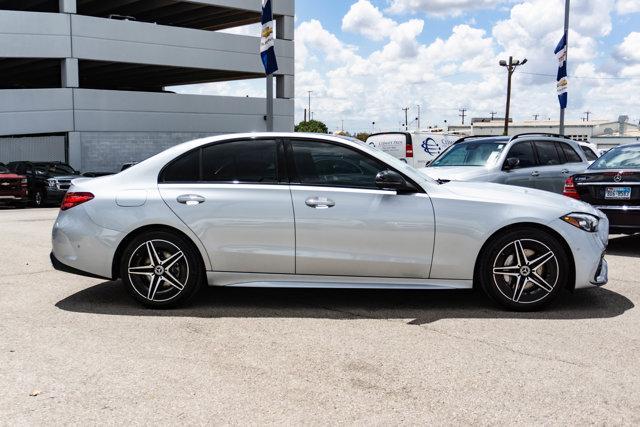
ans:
x=548 y=154
x=251 y=161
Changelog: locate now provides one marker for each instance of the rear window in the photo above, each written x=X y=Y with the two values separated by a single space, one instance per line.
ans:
x=619 y=158
x=588 y=152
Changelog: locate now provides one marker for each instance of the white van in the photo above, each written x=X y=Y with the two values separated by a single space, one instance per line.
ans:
x=416 y=149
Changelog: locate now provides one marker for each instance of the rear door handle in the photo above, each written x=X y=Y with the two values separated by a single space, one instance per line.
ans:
x=320 y=203
x=535 y=173
x=190 y=199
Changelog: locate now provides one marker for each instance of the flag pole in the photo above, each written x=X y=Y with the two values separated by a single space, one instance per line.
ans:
x=566 y=35
x=270 y=103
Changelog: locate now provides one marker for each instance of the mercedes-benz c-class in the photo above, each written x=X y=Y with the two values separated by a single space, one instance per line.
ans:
x=314 y=211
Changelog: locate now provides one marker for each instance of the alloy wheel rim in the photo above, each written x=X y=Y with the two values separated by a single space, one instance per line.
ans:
x=526 y=271
x=158 y=270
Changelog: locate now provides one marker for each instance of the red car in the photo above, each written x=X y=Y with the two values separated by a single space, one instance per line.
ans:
x=13 y=188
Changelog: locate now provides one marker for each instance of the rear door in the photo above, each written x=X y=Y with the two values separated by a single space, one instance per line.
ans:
x=235 y=197
x=526 y=171
x=550 y=168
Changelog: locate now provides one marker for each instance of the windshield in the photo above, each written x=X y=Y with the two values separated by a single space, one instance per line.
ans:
x=619 y=158
x=470 y=154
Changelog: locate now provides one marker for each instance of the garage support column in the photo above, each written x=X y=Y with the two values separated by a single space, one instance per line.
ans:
x=70 y=73
x=75 y=150
x=285 y=29
x=68 y=6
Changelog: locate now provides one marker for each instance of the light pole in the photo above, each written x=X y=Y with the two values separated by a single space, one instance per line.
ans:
x=418 y=118
x=310 y=92
x=567 y=6
x=511 y=68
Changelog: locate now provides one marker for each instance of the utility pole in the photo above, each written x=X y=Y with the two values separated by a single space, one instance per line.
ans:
x=418 y=118
x=535 y=117
x=511 y=68
x=342 y=125
x=406 y=118
x=567 y=7
x=463 y=113
x=310 y=116
x=493 y=115
x=588 y=113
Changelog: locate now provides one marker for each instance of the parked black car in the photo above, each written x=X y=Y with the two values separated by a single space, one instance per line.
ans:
x=612 y=184
x=47 y=182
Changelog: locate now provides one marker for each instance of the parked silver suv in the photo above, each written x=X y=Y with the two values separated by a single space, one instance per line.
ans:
x=541 y=161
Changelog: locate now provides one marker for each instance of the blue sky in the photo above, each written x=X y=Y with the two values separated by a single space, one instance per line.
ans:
x=365 y=60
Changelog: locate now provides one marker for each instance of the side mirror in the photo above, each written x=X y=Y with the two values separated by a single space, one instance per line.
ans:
x=512 y=163
x=391 y=180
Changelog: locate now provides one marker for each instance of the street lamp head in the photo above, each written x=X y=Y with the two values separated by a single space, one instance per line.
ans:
x=524 y=61
x=503 y=63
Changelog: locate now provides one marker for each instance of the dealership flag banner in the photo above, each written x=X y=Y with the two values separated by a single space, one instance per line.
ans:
x=563 y=82
x=267 y=43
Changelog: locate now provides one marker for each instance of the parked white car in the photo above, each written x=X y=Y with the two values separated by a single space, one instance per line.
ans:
x=312 y=211
x=590 y=151
x=416 y=149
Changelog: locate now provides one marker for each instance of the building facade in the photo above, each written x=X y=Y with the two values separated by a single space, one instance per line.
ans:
x=85 y=80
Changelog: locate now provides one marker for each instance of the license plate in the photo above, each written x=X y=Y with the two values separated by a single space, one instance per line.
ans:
x=618 y=193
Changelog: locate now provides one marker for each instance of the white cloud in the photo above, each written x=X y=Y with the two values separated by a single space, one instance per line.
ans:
x=246 y=30
x=629 y=49
x=440 y=7
x=366 y=19
x=627 y=6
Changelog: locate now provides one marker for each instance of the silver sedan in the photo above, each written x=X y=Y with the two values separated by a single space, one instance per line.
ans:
x=312 y=211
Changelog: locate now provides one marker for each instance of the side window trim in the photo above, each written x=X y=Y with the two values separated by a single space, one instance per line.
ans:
x=293 y=173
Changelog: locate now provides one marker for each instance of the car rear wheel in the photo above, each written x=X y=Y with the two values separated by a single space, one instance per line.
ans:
x=524 y=270
x=161 y=269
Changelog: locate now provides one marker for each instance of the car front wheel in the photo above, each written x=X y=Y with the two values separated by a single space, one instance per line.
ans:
x=161 y=269
x=524 y=270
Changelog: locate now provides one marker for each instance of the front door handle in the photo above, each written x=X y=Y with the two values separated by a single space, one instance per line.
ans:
x=535 y=173
x=190 y=199
x=320 y=203
x=565 y=171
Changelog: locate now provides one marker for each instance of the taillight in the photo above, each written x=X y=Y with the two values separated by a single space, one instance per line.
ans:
x=570 y=189
x=72 y=200
x=409 y=150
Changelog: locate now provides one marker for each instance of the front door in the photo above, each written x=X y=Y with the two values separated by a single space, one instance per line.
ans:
x=345 y=225
x=231 y=196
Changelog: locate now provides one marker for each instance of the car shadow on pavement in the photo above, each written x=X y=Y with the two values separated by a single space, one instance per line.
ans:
x=625 y=246
x=416 y=307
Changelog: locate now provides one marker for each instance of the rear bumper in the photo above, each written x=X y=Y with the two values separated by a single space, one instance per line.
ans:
x=55 y=262
x=622 y=219
x=14 y=199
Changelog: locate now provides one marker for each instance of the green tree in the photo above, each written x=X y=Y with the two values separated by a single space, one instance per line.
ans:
x=313 y=126
x=362 y=136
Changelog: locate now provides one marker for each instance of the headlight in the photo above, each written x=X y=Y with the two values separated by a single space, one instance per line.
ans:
x=583 y=221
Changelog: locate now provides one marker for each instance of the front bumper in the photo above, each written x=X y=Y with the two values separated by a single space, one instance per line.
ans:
x=602 y=274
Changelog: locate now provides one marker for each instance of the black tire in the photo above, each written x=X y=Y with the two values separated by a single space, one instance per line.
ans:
x=156 y=284
x=38 y=198
x=527 y=284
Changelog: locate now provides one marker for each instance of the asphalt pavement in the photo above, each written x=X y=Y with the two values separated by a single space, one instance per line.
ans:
x=75 y=350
